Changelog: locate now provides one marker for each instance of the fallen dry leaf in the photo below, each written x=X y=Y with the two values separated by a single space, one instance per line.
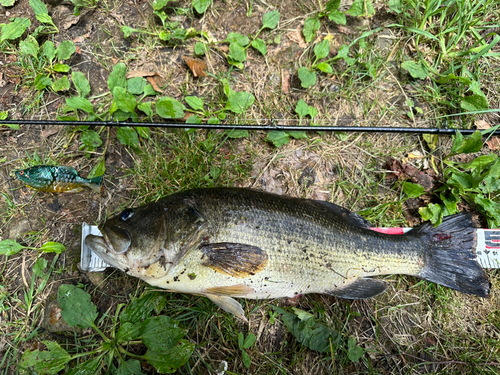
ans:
x=50 y=131
x=79 y=39
x=55 y=315
x=285 y=82
x=296 y=36
x=140 y=73
x=197 y=66
x=155 y=81
x=78 y=50
x=493 y=143
x=403 y=171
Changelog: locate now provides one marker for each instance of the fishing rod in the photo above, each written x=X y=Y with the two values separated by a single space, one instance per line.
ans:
x=266 y=127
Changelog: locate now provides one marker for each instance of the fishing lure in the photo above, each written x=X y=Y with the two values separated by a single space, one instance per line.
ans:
x=56 y=179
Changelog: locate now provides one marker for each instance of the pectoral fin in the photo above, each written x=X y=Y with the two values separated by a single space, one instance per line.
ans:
x=234 y=259
x=228 y=304
x=360 y=289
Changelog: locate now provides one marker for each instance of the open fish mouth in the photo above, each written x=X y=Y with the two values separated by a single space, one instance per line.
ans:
x=104 y=250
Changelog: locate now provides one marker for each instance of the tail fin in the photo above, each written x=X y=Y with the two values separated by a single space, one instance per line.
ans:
x=450 y=259
x=95 y=183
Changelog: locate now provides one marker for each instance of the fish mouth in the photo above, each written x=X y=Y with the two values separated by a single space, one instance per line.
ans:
x=105 y=251
x=116 y=240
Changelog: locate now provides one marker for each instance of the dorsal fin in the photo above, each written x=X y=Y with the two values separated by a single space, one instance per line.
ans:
x=349 y=216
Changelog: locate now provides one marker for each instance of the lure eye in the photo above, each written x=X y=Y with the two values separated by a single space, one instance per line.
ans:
x=126 y=214
x=21 y=173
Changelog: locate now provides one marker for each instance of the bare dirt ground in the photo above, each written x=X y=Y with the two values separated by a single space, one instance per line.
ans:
x=402 y=331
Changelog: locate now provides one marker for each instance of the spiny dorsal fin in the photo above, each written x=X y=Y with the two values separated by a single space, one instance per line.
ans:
x=349 y=216
x=360 y=289
x=234 y=259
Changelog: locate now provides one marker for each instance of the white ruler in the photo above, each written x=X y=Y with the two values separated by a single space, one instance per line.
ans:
x=487 y=249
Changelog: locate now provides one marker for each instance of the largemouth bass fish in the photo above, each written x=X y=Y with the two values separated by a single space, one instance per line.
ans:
x=230 y=242
x=56 y=179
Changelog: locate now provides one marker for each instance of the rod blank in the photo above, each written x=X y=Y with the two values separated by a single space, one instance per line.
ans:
x=269 y=127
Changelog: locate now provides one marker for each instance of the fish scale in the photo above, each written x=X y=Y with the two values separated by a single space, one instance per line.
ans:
x=230 y=242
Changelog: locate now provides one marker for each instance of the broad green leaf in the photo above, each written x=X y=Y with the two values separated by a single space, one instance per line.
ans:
x=413 y=190
x=90 y=138
x=311 y=25
x=128 y=332
x=150 y=91
x=474 y=143
x=77 y=102
x=343 y=53
x=76 y=308
x=159 y=4
x=193 y=119
x=237 y=52
x=332 y=5
x=278 y=138
x=7 y=3
x=48 y=50
x=127 y=136
x=194 y=102
x=42 y=81
x=61 y=68
x=239 y=102
x=140 y=309
x=322 y=49
x=98 y=169
x=10 y=247
x=53 y=247
x=458 y=141
x=146 y=108
x=260 y=46
x=81 y=83
x=337 y=17
x=38 y=7
x=297 y=134
x=461 y=180
x=15 y=29
x=479 y=163
x=29 y=46
x=433 y=212
x=201 y=6
x=127 y=31
x=44 y=18
x=161 y=333
x=270 y=20
x=475 y=103
x=65 y=50
x=136 y=85
x=313 y=112
x=61 y=84
x=325 y=67
x=249 y=341
x=117 y=77
x=39 y=266
x=361 y=8
x=354 y=352
x=167 y=107
x=124 y=100
x=246 y=359
x=199 y=49
x=49 y=361
x=237 y=133
x=86 y=368
x=143 y=131
x=450 y=201
x=242 y=40
x=130 y=367
x=416 y=70
x=302 y=109
x=168 y=361
x=308 y=332
x=241 y=339
x=307 y=78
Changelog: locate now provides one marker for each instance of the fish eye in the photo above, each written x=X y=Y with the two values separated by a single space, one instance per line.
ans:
x=126 y=214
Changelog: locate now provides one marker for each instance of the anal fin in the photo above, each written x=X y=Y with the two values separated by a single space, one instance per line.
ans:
x=228 y=304
x=360 y=289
